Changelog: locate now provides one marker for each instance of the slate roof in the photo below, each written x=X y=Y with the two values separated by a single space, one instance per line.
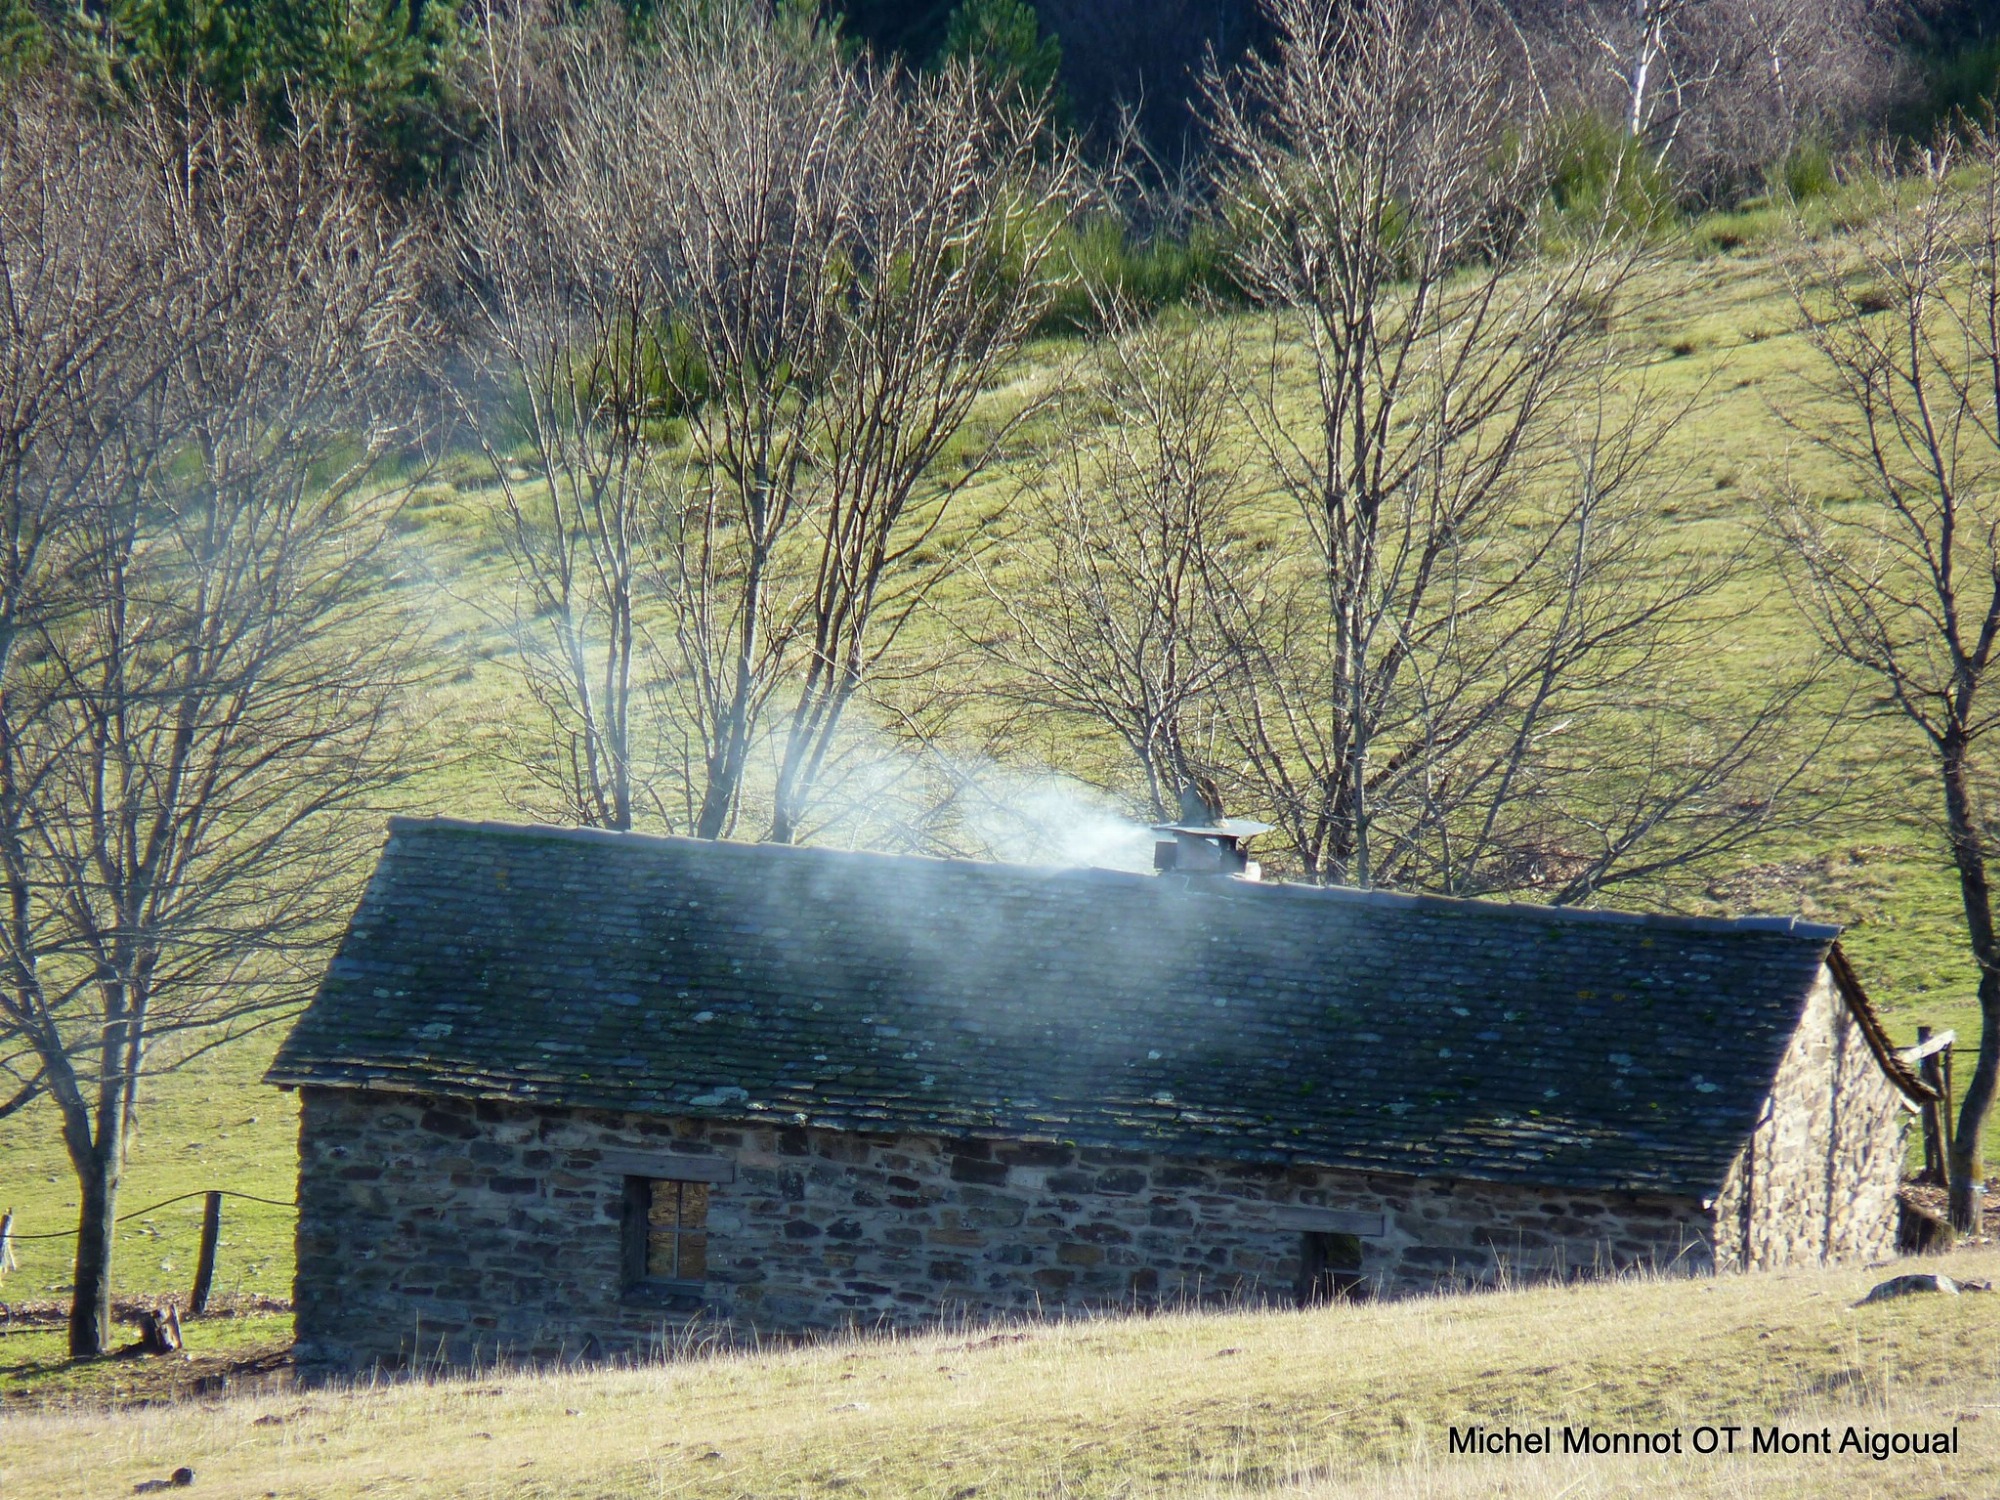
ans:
x=1200 y=1016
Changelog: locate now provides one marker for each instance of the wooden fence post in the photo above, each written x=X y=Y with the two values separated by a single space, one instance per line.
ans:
x=204 y=1266
x=1937 y=1114
x=1948 y=1125
x=1934 y=1163
x=7 y=1261
x=1927 y=1067
x=1931 y=1057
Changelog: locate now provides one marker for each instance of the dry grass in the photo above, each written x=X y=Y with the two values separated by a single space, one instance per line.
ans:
x=1337 y=1403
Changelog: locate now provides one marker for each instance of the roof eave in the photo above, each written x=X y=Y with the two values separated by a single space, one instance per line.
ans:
x=1899 y=1072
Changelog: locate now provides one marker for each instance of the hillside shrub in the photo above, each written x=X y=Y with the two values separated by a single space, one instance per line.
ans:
x=1806 y=173
x=1594 y=165
x=1107 y=262
x=392 y=63
x=1003 y=39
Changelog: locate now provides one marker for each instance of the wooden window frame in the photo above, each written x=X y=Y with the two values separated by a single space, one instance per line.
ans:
x=641 y=1174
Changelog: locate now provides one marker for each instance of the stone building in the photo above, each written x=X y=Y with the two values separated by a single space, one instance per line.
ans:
x=565 y=1092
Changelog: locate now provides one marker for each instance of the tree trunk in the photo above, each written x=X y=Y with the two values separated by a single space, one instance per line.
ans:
x=90 y=1322
x=618 y=702
x=1967 y=1167
x=814 y=722
x=785 y=804
x=719 y=797
x=725 y=766
x=1969 y=855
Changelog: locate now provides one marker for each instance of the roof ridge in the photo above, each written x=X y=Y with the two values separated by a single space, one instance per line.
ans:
x=1786 y=926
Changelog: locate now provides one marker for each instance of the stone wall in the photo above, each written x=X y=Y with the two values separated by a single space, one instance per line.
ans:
x=1816 y=1181
x=444 y=1229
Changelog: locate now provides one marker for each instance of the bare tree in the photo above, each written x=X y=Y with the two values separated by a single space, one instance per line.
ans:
x=815 y=267
x=1805 y=68
x=1129 y=564
x=568 y=395
x=216 y=683
x=1656 y=54
x=1479 y=575
x=1370 y=154
x=754 y=136
x=1905 y=585
x=959 y=215
x=1717 y=90
x=76 y=224
x=1599 y=752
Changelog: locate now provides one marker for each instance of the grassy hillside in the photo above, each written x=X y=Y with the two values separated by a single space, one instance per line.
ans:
x=1709 y=324
x=1335 y=1402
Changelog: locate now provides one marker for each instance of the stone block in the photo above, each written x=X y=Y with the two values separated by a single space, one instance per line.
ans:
x=1102 y=1232
x=973 y=1169
x=446 y=1123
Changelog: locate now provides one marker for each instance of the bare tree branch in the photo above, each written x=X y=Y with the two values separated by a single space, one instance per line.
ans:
x=204 y=677
x=1437 y=705
x=1905 y=585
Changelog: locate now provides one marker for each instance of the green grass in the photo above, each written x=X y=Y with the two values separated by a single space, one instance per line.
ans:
x=215 y=1126
x=1714 y=325
x=1337 y=1401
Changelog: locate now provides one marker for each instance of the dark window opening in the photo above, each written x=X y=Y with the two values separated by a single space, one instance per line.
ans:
x=666 y=1231
x=1330 y=1269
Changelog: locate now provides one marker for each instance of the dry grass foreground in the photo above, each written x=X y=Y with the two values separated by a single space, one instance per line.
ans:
x=1340 y=1402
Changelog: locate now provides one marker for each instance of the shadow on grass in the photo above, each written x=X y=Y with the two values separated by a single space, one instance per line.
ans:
x=231 y=1351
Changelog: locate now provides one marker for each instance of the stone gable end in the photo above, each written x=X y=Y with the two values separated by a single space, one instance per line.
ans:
x=1816 y=1178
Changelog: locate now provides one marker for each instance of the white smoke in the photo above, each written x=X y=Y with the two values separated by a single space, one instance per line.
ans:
x=1050 y=819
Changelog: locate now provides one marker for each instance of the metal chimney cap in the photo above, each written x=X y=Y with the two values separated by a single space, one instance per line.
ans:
x=1225 y=828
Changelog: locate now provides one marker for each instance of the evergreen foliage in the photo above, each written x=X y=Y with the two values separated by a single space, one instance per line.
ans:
x=391 y=62
x=24 y=45
x=1597 y=166
x=1003 y=39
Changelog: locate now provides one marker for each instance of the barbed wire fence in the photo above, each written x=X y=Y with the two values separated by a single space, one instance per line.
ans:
x=211 y=1236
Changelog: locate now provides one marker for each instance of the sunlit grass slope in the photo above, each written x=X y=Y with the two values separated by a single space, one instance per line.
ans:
x=1717 y=327
x=1341 y=1401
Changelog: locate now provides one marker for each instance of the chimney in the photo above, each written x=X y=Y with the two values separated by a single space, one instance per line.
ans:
x=1204 y=842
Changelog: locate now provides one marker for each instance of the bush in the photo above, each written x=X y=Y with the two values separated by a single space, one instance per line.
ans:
x=1594 y=165
x=1753 y=223
x=1806 y=173
x=1160 y=271
x=1003 y=39
x=393 y=63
